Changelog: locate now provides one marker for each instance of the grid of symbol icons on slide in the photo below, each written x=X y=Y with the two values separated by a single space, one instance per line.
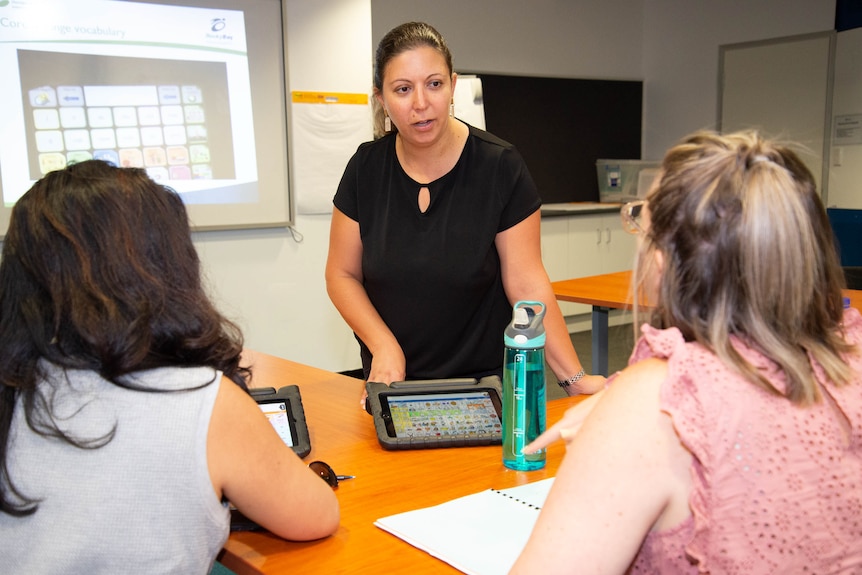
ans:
x=160 y=128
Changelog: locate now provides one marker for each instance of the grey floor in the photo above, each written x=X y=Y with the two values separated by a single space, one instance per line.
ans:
x=620 y=342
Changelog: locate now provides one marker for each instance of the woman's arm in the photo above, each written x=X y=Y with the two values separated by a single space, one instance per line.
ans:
x=624 y=473
x=567 y=427
x=252 y=467
x=525 y=278
x=344 y=286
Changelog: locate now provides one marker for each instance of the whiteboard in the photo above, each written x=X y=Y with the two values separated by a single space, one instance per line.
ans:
x=781 y=87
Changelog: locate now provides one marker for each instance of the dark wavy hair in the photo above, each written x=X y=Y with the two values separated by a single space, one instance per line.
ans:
x=99 y=273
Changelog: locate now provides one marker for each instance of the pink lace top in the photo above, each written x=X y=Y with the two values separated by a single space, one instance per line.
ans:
x=776 y=488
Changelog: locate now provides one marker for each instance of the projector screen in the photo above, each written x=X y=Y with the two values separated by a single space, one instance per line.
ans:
x=193 y=91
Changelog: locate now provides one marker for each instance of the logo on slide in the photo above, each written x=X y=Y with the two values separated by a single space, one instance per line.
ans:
x=217 y=24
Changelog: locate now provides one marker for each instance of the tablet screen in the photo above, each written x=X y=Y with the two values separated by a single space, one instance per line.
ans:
x=470 y=413
x=278 y=415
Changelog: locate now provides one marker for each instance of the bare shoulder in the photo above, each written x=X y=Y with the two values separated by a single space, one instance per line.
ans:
x=230 y=394
x=638 y=385
x=649 y=373
x=627 y=431
x=631 y=425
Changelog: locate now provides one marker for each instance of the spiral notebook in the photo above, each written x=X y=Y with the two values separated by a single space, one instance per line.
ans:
x=479 y=534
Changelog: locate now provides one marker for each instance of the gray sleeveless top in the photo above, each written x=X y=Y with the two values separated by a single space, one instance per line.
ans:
x=142 y=503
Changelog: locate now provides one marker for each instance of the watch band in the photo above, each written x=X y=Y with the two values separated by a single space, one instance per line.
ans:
x=572 y=380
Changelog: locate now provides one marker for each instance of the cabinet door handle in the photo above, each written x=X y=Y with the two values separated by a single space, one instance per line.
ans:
x=608 y=232
x=598 y=236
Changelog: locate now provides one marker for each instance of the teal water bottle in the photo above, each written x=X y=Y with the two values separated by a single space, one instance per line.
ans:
x=524 y=385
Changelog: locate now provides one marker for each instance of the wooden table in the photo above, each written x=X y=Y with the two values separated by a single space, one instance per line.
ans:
x=387 y=482
x=613 y=291
x=604 y=292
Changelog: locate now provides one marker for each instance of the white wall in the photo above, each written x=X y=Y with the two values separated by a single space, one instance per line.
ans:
x=563 y=38
x=670 y=44
x=266 y=280
x=274 y=286
x=681 y=40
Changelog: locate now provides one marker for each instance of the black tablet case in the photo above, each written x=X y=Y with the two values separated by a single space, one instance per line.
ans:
x=289 y=394
x=374 y=406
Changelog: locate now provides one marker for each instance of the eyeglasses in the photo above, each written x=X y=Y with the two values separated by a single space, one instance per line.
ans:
x=327 y=473
x=632 y=216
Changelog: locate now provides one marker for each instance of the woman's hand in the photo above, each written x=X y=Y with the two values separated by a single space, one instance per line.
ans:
x=568 y=426
x=386 y=367
x=589 y=384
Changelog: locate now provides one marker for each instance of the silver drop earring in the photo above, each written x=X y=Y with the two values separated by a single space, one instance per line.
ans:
x=452 y=109
x=387 y=124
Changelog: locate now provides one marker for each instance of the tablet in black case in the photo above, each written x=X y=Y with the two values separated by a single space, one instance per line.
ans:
x=437 y=413
x=284 y=410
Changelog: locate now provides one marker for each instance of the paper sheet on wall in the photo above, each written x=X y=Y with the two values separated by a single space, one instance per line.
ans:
x=468 y=100
x=479 y=534
x=324 y=137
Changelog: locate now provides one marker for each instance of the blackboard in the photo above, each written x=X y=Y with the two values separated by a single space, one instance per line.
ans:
x=561 y=126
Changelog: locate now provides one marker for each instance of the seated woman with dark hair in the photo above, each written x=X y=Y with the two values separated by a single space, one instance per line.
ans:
x=125 y=422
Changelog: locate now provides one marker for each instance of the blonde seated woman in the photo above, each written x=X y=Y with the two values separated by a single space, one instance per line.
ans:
x=733 y=441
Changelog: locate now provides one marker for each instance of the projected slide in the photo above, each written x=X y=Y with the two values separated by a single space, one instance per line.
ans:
x=164 y=88
x=177 y=130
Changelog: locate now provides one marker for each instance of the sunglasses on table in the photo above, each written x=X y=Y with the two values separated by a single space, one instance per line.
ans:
x=327 y=473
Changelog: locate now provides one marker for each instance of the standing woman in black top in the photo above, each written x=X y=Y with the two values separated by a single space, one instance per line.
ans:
x=436 y=232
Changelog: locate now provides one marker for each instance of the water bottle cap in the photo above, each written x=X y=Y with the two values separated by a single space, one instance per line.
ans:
x=526 y=329
x=521 y=317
